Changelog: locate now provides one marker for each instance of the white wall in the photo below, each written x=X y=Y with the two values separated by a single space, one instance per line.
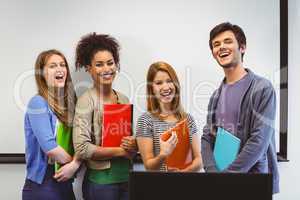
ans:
x=11 y=181
x=289 y=172
x=175 y=31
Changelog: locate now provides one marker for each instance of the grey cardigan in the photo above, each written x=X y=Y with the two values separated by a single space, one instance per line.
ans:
x=255 y=129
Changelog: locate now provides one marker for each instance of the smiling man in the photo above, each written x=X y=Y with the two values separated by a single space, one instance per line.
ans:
x=244 y=105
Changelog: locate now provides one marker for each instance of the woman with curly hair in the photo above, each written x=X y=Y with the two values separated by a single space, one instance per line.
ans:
x=49 y=115
x=107 y=172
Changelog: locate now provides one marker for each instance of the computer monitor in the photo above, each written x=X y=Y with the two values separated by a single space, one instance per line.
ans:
x=203 y=186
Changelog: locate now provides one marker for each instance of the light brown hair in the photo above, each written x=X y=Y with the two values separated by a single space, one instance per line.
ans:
x=152 y=103
x=63 y=106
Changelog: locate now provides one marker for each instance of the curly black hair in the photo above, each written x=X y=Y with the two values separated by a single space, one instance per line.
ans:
x=90 y=44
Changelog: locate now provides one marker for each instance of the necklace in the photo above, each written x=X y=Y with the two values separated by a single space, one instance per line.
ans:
x=166 y=114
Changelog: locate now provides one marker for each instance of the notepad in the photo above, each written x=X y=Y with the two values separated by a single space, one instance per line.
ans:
x=181 y=156
x=116 y=124
x=226 y=148
x=64 y=140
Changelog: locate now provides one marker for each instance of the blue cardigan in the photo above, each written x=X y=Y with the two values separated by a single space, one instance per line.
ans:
x=255 y=128
x=40 y=123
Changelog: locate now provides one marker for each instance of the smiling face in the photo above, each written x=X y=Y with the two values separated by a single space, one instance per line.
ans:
x=103 y=68
x=163 y=88
x=226 y=50
x=55 y=71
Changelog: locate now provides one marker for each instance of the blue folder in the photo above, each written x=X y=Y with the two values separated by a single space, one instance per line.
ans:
x=226 y=148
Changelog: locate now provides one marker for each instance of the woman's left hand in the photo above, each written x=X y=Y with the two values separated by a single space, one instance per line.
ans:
x=173 y=169
x=129 y=143
x=67 y=171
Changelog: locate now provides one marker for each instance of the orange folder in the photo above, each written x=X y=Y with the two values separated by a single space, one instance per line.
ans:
x=181 y=157
x=116 y=123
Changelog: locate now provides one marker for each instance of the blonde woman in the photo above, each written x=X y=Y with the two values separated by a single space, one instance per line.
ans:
x=51 y=108
x=164 y=110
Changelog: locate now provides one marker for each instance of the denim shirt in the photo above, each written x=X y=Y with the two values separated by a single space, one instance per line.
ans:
x=255 y=129
x=39 y=126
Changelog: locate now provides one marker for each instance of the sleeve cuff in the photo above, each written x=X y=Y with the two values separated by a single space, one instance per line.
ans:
x=91 y=150
x=51 y=146
x=211 y=169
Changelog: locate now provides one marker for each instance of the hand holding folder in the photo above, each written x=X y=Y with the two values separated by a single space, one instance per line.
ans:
x=181 y=156
x=116 y=123
x=226 y=148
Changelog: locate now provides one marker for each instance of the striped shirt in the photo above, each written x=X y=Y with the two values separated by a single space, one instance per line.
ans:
x=152 y=127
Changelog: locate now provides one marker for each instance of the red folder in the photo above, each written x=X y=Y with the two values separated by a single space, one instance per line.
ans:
x=181 y=157
x=116 y=123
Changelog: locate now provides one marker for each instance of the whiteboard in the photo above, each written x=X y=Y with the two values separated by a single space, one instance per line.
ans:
x=175 y=31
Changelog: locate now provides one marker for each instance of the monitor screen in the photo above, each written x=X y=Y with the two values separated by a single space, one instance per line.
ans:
x=187 y=186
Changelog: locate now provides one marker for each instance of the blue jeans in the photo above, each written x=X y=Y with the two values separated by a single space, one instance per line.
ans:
x=94 y=191
x=50 y=189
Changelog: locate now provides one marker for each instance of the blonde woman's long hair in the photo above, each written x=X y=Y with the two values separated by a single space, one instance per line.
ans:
x=152 y=103
x=63 y=105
